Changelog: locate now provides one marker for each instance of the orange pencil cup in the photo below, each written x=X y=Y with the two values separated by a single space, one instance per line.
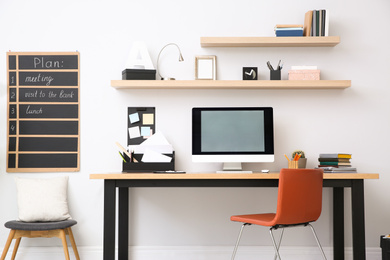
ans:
x=293 y=164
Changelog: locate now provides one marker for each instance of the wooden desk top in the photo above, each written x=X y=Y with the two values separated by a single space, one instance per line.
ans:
x=198 y=176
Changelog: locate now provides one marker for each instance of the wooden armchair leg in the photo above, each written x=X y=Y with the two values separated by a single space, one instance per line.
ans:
x=7 y=244
x=73 y=242
x=16 y=247
x=64 y=244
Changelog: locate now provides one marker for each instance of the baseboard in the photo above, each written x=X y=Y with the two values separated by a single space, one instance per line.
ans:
x=244 y=252
x=191 y=253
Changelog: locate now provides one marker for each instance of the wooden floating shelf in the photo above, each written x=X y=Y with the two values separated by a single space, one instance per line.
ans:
x=328 y=41
x=230 y=84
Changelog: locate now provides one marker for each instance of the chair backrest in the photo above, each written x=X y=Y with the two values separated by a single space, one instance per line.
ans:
x=299 y=196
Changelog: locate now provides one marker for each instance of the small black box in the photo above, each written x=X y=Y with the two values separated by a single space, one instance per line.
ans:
x=149 y=167
x=138 y=74
x=385 y=245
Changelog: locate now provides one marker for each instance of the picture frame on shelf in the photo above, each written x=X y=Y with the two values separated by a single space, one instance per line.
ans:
x=206 y=67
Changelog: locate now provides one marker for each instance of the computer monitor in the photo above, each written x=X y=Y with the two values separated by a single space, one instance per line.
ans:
x=232 y=135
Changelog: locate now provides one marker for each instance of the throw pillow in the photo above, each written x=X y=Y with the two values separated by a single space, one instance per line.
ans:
x=42 y=199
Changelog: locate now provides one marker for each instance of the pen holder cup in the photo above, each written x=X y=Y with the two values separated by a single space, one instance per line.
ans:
x=293 y=164
x=275 y=74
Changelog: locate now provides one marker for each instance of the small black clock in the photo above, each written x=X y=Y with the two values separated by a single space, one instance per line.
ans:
x=249 y=73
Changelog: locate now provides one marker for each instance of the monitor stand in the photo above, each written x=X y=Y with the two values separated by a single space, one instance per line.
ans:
x=233 y=168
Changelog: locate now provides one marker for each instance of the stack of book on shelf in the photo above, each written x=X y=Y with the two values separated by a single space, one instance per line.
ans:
x=316 y=23
x=286 y=30
x=336 y=163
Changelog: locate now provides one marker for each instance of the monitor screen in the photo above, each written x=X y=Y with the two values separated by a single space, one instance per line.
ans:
x=232 y=134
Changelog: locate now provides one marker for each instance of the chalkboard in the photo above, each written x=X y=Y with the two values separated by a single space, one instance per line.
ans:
x=47 y=144
x=51 y=161
x=46 y=62
x=12 y=62
x=48 y=78
x=43 y=126
x=48 y=111
x=46 y=127
x=48 y=94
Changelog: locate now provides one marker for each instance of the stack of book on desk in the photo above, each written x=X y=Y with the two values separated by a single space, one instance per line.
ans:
x=336 y=163
x=285 y=30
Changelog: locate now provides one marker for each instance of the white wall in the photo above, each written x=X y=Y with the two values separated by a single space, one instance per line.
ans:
x=355 y=120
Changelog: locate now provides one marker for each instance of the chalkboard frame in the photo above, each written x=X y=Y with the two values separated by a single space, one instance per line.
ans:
x=43 y=73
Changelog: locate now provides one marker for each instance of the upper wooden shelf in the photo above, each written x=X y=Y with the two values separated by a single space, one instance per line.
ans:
x=328 y=41
x=230 y=84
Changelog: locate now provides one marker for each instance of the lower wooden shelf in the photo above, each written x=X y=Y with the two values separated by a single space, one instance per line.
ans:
x=231 y=84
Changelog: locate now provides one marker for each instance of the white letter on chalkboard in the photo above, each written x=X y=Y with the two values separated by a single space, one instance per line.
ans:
x=139 y=57
x=37 y=61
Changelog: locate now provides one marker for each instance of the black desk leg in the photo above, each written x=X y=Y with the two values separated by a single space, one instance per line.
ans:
x=358 y=228
x=123 y=232
x=338 y=223
x=109 y=220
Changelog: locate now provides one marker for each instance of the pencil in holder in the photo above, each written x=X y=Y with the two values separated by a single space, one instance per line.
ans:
x=293 y=164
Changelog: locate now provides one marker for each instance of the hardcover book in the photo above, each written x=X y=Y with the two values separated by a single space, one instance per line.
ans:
x=289 y=32
x=336 y=155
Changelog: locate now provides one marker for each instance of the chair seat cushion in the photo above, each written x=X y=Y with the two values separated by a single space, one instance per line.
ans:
x=35 y=226
x=267 y=219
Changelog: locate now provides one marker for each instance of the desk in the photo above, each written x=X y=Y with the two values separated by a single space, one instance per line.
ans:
x=125 y=181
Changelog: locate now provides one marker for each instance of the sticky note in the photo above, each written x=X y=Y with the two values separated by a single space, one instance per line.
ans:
x=134 y=118
x=148 y=119
x=134 y=132
x=145 y=131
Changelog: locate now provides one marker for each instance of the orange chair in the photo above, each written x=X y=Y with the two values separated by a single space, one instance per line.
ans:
x=299 y=203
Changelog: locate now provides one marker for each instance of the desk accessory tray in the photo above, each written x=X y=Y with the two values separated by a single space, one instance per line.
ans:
x=148 y=167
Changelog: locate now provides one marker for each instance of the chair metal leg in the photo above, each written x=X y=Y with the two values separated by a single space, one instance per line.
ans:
x=238 y=240
x=318 y=242
x=276 y=246
x=280 y=241
x=274 y=243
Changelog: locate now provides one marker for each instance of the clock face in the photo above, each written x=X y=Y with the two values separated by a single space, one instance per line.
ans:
x=249 y=73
